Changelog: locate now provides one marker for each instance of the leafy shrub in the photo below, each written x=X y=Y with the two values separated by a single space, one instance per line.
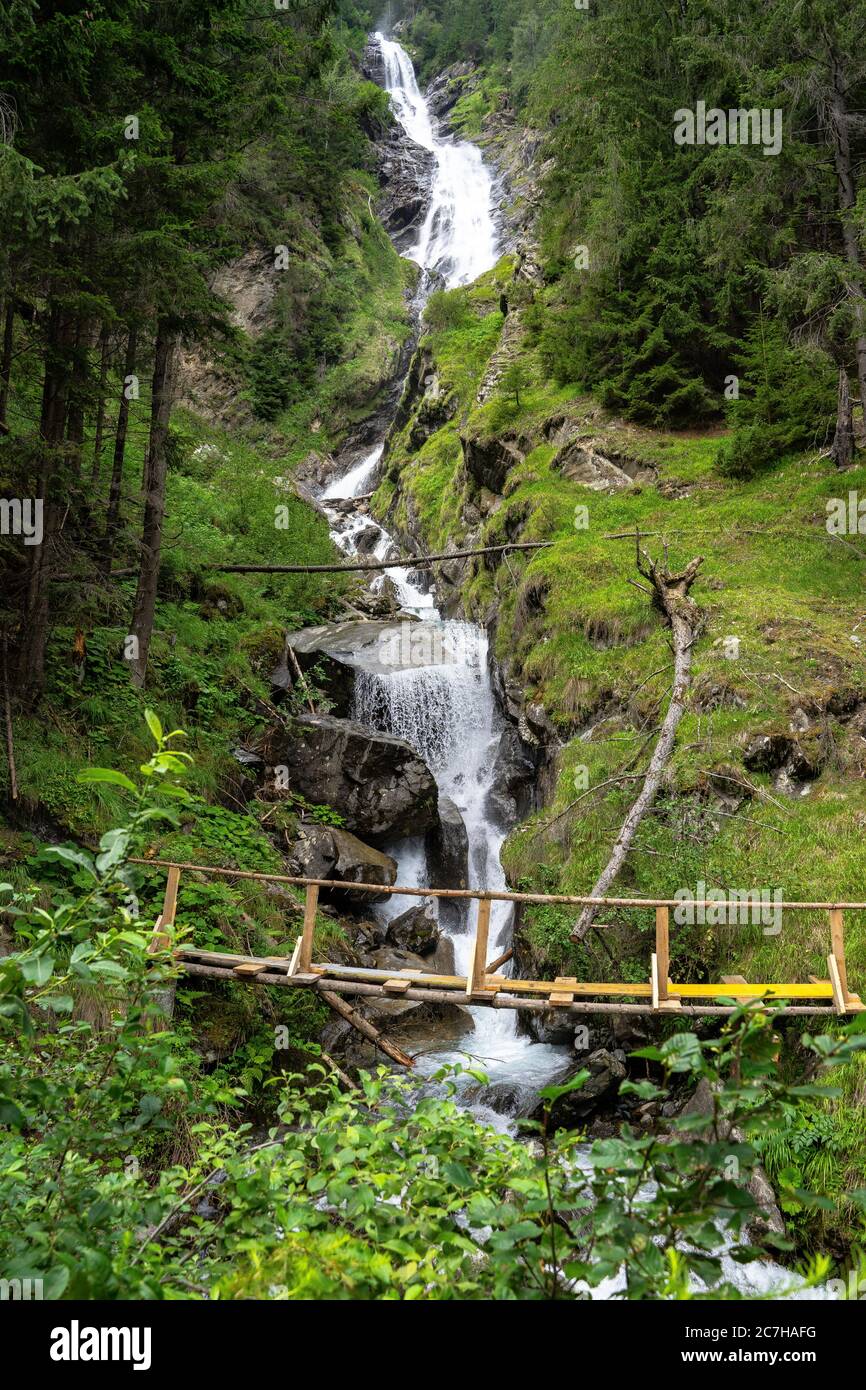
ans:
x=446 y=310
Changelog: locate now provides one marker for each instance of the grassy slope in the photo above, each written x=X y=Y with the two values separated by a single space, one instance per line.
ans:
x=586 y=644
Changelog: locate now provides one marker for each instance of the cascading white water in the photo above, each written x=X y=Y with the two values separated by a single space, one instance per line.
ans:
x=441 y=700
x=458 y=239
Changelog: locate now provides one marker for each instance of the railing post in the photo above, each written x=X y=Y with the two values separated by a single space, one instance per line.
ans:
x=837 y=946
x=478 y=968
x=663 y=954
x=305 y=957
x=165 y=921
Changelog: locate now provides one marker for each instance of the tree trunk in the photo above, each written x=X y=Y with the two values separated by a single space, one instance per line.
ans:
x=842 y=452
x=112 y=516
x=55 y=390
x=162 y=394
x=847 y=196
x=77 y=394
x=671 y=596
x=6 y=362
x=99 y=432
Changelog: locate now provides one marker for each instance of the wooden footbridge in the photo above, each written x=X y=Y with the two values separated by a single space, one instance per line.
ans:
x=486 y=987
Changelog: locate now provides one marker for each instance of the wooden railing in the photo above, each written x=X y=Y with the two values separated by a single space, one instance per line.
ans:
x=483 y=985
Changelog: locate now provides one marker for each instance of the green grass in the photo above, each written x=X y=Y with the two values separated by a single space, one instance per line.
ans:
x=587 y=645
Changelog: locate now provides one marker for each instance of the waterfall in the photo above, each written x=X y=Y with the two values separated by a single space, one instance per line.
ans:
x=458 y=239
x=439 y=696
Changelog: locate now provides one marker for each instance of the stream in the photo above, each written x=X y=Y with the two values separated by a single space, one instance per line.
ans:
x=443 y=702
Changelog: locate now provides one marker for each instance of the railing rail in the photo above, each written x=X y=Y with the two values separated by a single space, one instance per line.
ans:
x=482 y=984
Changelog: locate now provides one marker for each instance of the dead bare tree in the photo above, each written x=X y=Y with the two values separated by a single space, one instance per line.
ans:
x=842 y=452
x=670 y=595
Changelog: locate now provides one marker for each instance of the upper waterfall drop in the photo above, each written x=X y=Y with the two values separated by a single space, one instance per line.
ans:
x=458 y=239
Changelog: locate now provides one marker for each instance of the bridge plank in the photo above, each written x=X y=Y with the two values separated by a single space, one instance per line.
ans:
x=817 y=989
x=820 y=990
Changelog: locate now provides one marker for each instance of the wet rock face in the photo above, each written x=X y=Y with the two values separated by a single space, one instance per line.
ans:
x=325 y=851
x=488 y=462
x=378 y=784
x=405 y=170
x=315 y=470
x=373 y=63
x=449 y=86
x=514 y=778
x=423 y=401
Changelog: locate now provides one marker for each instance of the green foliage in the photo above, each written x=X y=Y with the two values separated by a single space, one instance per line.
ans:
x=446 y=310
x=787 y=402
x=379 y=1193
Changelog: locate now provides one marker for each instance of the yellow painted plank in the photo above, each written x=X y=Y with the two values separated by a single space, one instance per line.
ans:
x=822 y=990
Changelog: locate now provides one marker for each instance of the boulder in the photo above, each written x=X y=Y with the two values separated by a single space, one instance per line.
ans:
x=512 y=797
x=367 y=538
x=377 y=783
x=339 y=650
x=416 y=930
x=327 y=851
x=442 y=960
x=766 y=752
x=447 y=848
x=606 y=1070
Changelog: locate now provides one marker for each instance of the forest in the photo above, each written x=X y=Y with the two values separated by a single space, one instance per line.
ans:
x=432 y=457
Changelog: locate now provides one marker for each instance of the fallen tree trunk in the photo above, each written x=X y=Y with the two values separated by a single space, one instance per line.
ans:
x=670 y=594
x=407 y=562
x=365 y=1028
